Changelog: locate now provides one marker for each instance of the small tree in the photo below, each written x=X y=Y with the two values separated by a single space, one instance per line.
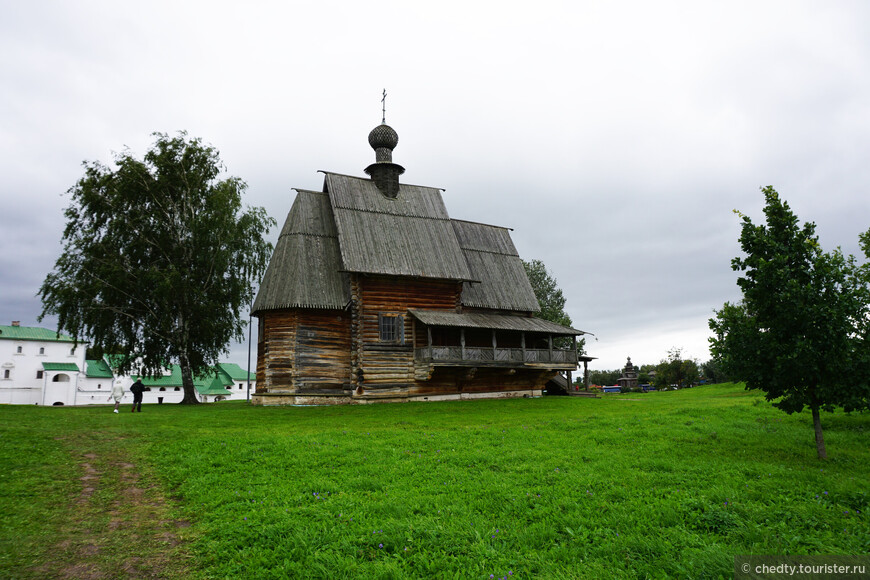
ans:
x=158 y=259
x=605 y=378
x=713 y=373
x=550 y=299
x=675 y=370
x=800 y=333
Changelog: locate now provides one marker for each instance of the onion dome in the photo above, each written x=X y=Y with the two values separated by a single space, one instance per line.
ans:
x=383 y=171
x=383 y=136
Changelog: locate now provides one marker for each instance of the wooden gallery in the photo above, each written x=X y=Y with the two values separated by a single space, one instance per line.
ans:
x=375 y=294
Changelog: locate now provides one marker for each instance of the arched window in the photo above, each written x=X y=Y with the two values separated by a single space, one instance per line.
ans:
x=61 y=378
x=6 y=374
x=41 y=350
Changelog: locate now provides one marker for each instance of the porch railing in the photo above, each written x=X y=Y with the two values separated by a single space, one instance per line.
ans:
x=470 y=354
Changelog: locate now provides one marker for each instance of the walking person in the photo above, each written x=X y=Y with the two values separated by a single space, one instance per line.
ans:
x=137 y=389
x=117 y=394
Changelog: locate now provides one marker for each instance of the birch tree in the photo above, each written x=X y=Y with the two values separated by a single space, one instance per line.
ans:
x=159 y=259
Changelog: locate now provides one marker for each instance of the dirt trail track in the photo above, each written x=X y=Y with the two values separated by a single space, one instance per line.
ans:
x=118 y=524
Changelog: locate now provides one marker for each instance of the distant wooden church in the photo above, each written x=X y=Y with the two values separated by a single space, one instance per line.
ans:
x=374 y=293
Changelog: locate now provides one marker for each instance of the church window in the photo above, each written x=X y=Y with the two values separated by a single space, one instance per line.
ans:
x=391 y=328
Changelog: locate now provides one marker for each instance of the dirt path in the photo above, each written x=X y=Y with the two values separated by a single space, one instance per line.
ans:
x=119 y=524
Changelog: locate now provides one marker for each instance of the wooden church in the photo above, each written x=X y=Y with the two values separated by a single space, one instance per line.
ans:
x=375 y=294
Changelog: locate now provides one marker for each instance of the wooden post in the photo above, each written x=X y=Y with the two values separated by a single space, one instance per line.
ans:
x=462 y=341
x=550 y=346
x=523 y=344
x=494 y=344
x=429 y=336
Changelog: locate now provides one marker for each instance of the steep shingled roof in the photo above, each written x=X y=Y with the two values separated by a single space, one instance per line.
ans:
x=493 y=259
x=305 y=269
x=409 y=235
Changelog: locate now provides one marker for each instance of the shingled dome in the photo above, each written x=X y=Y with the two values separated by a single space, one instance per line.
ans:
x=383 y=136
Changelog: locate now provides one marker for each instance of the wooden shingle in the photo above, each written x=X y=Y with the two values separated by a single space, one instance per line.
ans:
x=305 y=270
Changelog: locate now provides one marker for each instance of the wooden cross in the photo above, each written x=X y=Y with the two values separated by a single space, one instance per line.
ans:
x=384 y=107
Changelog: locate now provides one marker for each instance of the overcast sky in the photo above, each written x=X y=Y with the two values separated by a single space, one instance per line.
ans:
x=615 y=138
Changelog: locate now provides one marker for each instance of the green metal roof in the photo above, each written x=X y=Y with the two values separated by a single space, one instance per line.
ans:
x=98 y=369
x=32 y=333
x=216 y=387
x=235 y=372
x=207 y=385
x=72 y=367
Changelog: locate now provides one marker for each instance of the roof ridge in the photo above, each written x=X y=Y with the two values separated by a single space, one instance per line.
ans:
x=481 y=224
x=300 y=190
x=309 y=234
x=369 y=179
x=422 y=217
x=464 y=249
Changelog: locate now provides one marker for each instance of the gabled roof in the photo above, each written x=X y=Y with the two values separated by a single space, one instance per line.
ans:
x=235 y=372
x=98 y=369
x=409 y=235
x=493 y=259
x=214 y=387
x=305 y=269
x=32 y=333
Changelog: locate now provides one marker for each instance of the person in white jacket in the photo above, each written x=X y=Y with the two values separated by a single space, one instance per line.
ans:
x=117 y=394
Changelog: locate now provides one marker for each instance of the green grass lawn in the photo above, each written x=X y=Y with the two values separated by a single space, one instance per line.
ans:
x=656 y=485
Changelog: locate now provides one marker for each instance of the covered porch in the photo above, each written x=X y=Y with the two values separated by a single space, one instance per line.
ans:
x=477 y=339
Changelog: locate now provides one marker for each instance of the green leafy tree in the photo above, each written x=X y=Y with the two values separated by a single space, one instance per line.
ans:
x=675 y=370
x=712 y=371
x=604 y=378
x=158 y=259
x=550 y=299
x=800 y=333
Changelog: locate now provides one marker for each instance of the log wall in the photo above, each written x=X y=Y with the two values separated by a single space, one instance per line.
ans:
x=323 y=351
x=275 y=351
x=308 y=356
x=388 y=369
x=301 y=351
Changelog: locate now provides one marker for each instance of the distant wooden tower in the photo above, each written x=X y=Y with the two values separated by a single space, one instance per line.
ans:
x=628 y=380
x=374 y=293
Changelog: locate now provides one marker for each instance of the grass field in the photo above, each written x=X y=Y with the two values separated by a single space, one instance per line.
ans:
x=654 y=485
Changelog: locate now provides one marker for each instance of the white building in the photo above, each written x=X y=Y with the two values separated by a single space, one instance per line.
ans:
x=40 y=367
